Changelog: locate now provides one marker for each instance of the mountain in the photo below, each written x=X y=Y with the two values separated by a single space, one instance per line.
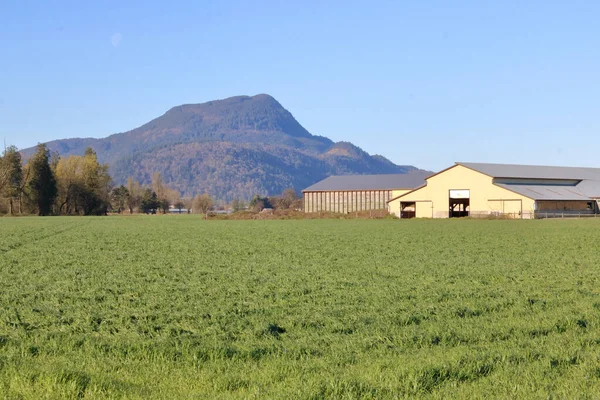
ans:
x=232 y=148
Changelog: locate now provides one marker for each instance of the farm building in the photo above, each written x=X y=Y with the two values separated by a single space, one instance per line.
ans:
x=351 y=193
x=520 y=191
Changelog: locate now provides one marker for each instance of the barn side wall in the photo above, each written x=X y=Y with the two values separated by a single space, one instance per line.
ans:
x=346 y=201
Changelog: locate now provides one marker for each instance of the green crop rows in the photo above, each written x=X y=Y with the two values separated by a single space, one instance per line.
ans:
x=179 y=307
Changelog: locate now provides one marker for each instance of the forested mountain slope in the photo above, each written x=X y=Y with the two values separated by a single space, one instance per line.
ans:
x=231 y=148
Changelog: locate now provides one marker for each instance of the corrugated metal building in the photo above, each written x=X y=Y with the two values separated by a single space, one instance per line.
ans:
x=352 y=193
x=521 y=191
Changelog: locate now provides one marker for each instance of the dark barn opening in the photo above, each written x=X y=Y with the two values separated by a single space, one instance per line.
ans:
x=408 y=210
x=459 y=203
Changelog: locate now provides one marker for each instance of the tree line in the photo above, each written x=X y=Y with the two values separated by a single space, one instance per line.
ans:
x=48 y=184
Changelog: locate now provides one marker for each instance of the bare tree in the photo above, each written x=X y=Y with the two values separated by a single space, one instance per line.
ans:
x=174 y=198
x=4 y=174
x=135 y=194
x=203 y=204
x=161 y=190
x=188 y=204
x=287 y=198
x=237 y=205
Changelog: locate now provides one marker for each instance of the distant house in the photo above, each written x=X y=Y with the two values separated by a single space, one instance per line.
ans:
x=353 y=193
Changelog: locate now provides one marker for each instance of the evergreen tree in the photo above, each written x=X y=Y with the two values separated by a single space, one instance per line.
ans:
x=150 y=202
x=12 y=165
x=42 y=183
x=119 y=198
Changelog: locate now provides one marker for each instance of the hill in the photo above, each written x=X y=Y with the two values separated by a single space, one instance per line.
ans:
x=231 y=148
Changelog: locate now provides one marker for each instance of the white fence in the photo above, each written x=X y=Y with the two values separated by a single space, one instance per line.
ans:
x=565 y=214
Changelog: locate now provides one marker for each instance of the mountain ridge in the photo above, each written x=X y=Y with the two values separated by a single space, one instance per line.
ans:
x=229 y=148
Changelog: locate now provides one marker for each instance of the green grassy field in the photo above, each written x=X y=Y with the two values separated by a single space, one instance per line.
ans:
x=178 y=307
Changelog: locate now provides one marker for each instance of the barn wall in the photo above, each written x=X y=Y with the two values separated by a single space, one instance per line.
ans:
x=347 y=201
x=553 y=205
x=485 y=197
x=424 y=209
x=394 y=207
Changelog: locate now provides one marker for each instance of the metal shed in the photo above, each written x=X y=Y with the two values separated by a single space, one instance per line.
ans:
x=352 y=193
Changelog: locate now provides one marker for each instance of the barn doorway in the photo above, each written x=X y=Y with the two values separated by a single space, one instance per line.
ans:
x=407 y=210
x=460 y=201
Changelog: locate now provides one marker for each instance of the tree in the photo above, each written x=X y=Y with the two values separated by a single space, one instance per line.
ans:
x=54 y=159
x=95 y=198
x=149 y=202
x=23 y=194
x=135 y=194
x=84 y=185
x=258 y=203
x=174 y=198
x=42 y=183
x=287 y=198
x=203 y=204
x=164 y=205
x=237 y=205
x=162 y=191
x=69 y=183
x=298 y=204
x=179 y=205
x=3 y=174
x=285 y=201
x=119 y=197
x=11 y=165
x=188 y=204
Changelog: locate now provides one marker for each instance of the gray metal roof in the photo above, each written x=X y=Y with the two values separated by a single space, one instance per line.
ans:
x=533 y=171
x=546 y=192
x=370 y=182
x=590 y=187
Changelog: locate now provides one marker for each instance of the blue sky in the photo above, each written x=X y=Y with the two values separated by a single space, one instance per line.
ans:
x=425 y=83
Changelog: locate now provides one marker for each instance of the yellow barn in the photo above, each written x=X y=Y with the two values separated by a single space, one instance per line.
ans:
x=518 y=191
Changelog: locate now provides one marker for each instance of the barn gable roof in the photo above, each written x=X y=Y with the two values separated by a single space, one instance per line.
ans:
x=370 y=182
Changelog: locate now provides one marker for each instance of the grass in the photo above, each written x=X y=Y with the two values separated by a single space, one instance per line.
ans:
x=178 y=307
